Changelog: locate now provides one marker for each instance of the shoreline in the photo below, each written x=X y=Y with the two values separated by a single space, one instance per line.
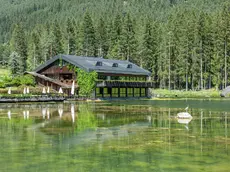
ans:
x=31 y=99
x=64 y=99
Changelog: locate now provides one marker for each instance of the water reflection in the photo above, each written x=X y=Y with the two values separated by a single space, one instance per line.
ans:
x=9 y=114
x=111 y=136
x=60 y=110
x=43 y=112
x=48 y=113
x=73 y=113
x=26 y=114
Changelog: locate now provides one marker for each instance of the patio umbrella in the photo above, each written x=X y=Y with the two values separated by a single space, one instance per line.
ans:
x=48 y=90
x=9 y=90
x=60 y=91
x=72 y=88
x=24 y=91
x=27 y=90
x=43 y=90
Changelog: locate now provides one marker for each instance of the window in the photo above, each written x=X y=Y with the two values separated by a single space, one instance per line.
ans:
x=130 y=92
x=101 y=77
x=129 y=66
x=122 y=92
x=114 y=77
x=115 y=65
x=98 y=92
x=99 y=63
x=115 y=92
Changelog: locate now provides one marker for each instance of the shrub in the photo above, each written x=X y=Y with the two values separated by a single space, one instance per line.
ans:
x=27 y=80
x=2 y=84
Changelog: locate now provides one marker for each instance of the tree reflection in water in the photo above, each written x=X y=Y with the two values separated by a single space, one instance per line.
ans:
x=121 y=137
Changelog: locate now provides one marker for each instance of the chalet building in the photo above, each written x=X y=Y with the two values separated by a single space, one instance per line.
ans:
x=116 y=78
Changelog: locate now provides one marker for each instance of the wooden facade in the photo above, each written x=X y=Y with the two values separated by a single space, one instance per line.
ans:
x=115 y=82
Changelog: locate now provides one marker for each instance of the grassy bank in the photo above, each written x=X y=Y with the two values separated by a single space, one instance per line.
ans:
x=18 y=91
x=162 y=93
x=4 y=72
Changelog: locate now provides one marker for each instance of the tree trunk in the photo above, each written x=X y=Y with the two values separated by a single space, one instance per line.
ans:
x=201 y=74
x=225 y=64
x=169 y=77
x=201 y=67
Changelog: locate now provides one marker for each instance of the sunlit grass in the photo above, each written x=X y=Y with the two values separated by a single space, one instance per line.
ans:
x=185 y=94
x=4 y=72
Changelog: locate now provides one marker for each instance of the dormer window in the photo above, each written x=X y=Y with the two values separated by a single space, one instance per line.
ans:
x=99 y=63
x=129 y=66
x=115 y=65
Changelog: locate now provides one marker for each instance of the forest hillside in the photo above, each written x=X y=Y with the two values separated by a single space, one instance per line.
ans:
x=185 y=43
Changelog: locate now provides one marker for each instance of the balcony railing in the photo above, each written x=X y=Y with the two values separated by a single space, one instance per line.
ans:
x=130 y=84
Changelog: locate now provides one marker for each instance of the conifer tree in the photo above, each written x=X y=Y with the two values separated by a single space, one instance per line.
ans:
x=102 y=38
x=128 y=40
x=89 y=39
x=114 y=37
x=19 y=45
x=46 y=41
x=15 y=64
x=57 y=47
x=34 y=51
x=71 y=37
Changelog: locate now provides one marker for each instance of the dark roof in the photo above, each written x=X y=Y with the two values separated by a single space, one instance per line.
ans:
x=89 y=64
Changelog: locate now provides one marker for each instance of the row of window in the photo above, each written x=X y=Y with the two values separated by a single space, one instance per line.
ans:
x=122 y=78
x=107 y=92
x=62 y=63
x=99 y=63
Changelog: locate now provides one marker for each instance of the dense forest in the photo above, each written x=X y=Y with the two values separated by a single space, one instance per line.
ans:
x=184 y=43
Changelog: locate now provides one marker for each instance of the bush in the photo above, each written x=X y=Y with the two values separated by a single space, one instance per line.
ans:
x=2 y=84
x=15 y=81
x=27 y=80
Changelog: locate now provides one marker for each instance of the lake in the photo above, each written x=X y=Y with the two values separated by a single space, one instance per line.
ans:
x=130 y=135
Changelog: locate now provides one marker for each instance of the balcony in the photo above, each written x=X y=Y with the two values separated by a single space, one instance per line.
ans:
x=128 y=84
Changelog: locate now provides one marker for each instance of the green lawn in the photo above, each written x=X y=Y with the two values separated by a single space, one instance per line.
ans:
x=185 y=94
x=4 y=72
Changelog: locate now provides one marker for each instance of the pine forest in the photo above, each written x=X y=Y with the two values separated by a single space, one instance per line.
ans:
x=184 y=43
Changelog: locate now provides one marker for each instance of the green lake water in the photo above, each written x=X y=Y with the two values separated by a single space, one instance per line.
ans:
x=115 y=136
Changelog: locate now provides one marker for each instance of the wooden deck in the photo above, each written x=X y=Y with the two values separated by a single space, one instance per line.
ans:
x=126 y=84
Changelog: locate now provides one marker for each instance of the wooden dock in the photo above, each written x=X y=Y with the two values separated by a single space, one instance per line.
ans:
x=31 y=99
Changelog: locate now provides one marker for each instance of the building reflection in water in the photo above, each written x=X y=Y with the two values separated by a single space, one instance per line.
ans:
x=60 y=110
x=26 y=114
x=48 y=113
x=43 y=112
x=9 y=114
x=73 y=113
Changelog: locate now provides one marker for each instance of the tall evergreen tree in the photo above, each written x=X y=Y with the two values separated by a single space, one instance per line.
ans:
x=102 y=38
x=57 y=47
x=46 y=41
x=89 y=39
x=15 y=64
x=34 y=51
x=71 y=37
x=128 y=40
x=19 y=45
x=114 y=37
